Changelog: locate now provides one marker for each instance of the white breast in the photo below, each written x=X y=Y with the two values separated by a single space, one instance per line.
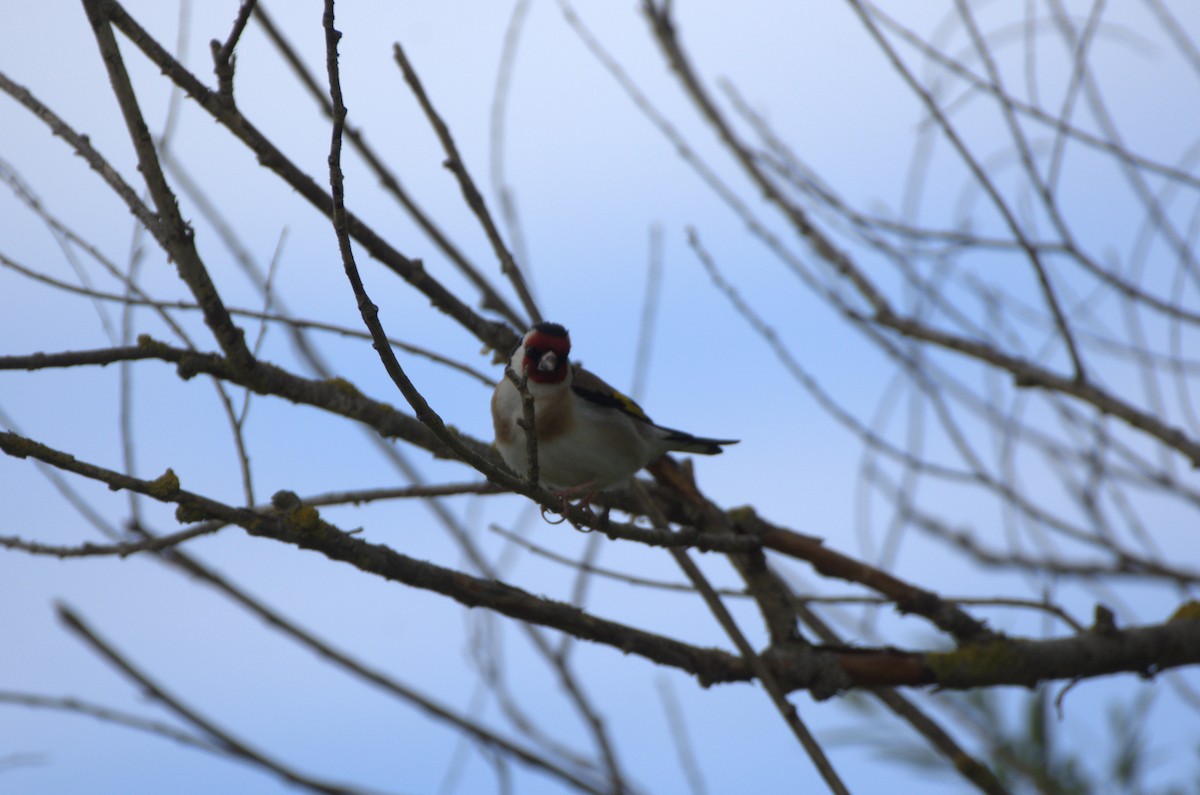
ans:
x=601 y=448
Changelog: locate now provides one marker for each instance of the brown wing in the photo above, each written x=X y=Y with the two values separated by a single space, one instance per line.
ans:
x=590 y=387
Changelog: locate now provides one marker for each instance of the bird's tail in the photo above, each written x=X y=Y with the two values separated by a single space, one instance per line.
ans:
x=682 y=442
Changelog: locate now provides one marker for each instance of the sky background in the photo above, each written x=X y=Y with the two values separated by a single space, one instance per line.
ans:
x=592 y=180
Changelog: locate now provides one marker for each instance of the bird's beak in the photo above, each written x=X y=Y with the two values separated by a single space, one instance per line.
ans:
x=548 y=363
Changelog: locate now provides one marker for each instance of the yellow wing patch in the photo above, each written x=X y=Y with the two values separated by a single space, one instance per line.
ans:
x=591 y=388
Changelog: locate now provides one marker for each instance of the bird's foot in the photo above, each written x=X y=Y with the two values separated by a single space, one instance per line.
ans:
x=584 y=492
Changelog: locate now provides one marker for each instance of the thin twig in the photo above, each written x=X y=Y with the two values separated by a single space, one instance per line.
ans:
x=386 y=683
x=107 y=715
x=1163 y=646
x=504 y=193
x=473 y=197
x=67 y=489
x=908 y=598
x=362 y=496
x=98 y=550
x=753 y=660
x=827 y=599
x=223 y=61
x=160 y=543
x=629 y=579
x=220 y=737
x=981 y=175
x=169 y=228
x=528 y=423
x=370 y=314
x=491 y=299
x=307 y=530
x=495 y=334
x=650 y=304
x=680 y=738
x=970 y=768
x=253 y=314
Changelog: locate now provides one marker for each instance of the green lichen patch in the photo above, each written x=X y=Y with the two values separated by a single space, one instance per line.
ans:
x=305 y=518
x=1188 y=611
x=344 y=386
x=742 y=515
x=189 y=514
x=165 y=486
x=976 y=662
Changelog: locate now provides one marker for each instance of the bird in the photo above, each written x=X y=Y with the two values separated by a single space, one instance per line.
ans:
x=590 y=437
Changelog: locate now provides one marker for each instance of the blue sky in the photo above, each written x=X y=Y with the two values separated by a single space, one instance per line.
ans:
x=591 y=177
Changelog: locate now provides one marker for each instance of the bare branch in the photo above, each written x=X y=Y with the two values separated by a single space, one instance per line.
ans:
x=491 y=299
x=496 y=335
x=528 y=423
x=384 y=682
x=116 y=717
x=223 y=61
x=219 y=736
x=471 y=194
x=788 y=710
x=99 y=550
x=169 y=228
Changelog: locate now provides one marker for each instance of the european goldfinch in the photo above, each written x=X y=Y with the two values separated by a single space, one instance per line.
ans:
x=589 y=436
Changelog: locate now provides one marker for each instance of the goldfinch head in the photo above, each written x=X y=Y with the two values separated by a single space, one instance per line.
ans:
x=543 y=354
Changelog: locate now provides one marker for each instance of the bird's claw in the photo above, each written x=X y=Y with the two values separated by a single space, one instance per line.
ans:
x=562 y=516
x=565 y=496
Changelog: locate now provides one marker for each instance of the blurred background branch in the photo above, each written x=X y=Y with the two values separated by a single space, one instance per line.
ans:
x=948 y=296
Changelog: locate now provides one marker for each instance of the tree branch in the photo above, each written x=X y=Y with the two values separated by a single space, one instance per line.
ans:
x=491 y=299
x=471 y=194
x=169 y=228
x=220 y=737
x=497 y=335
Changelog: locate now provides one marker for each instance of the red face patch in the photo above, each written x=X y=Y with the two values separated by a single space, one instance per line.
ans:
x=546 y=357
